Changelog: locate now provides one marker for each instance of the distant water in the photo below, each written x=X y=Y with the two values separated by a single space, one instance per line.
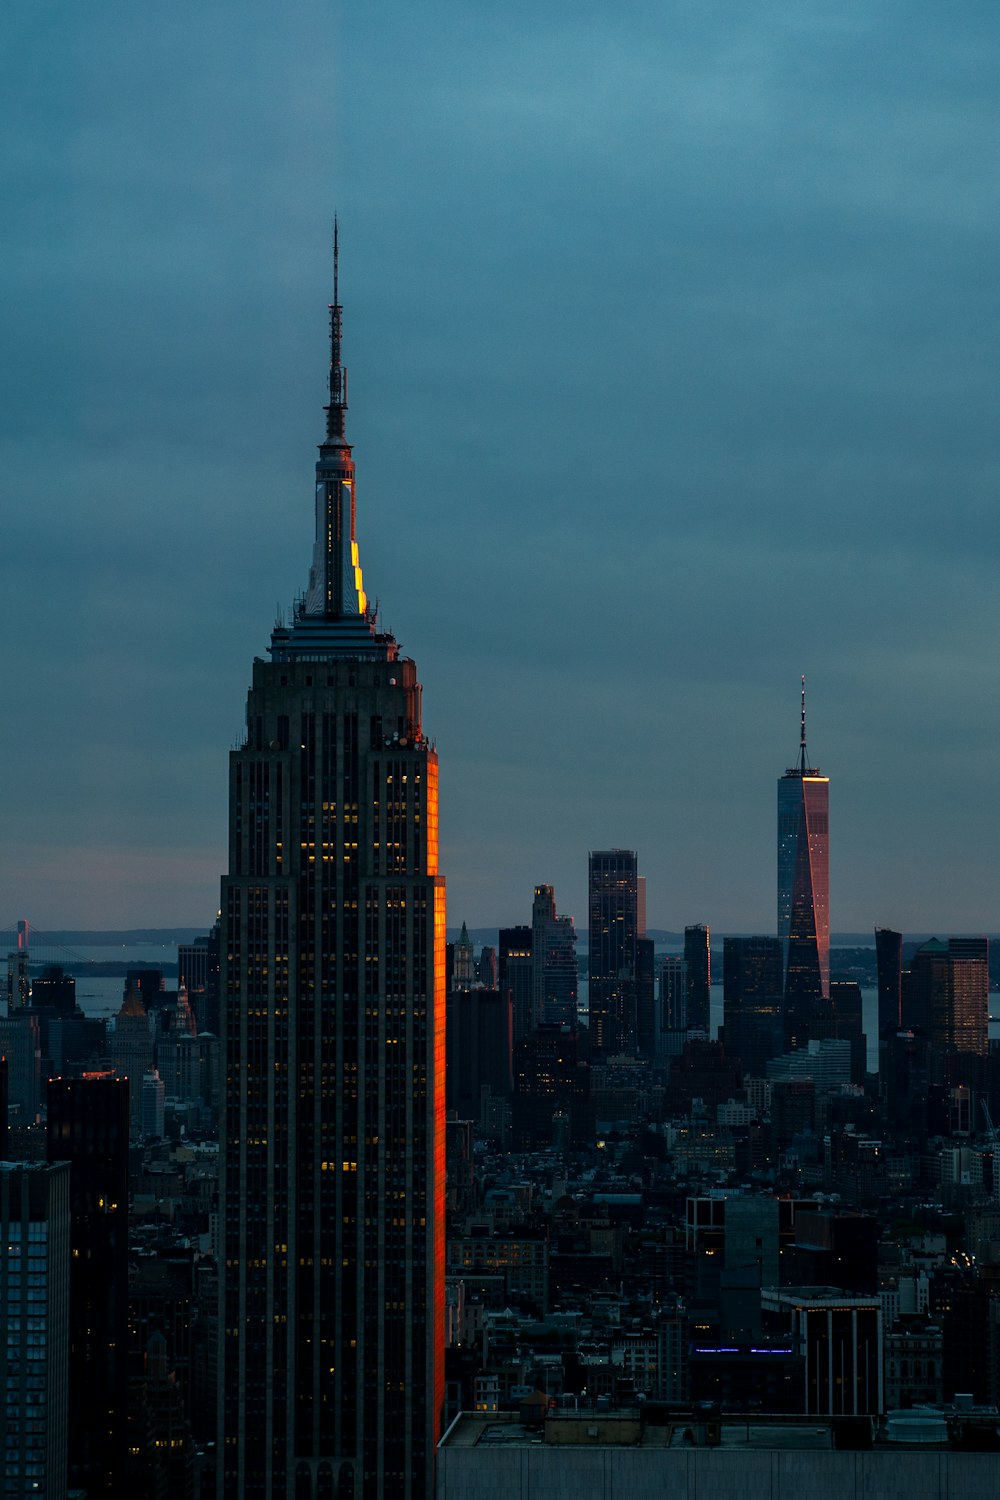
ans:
x=100 y=995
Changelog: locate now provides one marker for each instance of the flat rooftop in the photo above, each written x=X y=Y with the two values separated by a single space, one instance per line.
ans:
x=626 y=1429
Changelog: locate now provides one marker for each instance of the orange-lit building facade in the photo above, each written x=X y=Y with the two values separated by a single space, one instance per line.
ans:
x=333 y=1004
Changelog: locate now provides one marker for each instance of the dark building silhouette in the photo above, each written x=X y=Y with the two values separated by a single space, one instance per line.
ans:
x=333 y=972
x=844 y=1021
x=553 y=961
x=4 y=1122
x=516 y=976
x=54 y=990
x=550 y=1081
x=804 y=890
x=615 y=926
x=88 y=1126
x=198 y=966
x=698 y=957
x=34 y=1283
x=702 y=1071
x=645 y=997
x=479 y=1050
x=889 y=966
x=752 y=1008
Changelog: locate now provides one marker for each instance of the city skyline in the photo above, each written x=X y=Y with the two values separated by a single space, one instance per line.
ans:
x=752 y=256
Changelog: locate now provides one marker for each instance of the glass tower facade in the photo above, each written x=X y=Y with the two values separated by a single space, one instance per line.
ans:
x=804 y=890
x=616 y=923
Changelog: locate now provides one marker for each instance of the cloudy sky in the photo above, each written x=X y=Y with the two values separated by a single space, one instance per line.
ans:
x=672 y=330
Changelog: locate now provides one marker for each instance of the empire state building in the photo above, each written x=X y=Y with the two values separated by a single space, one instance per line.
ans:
x=332 y=1266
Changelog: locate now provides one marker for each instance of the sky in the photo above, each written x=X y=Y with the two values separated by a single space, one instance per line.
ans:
x=672 y=331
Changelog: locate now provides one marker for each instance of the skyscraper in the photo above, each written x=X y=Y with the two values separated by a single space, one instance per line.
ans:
x=698 y=957
x=34 y=1294
x=332 y=1274
x=88 y=1126
x=516 y=977
x=615 y=924
x=889 y=962
x=751 y=988
x=804 y=889
x=553 y=961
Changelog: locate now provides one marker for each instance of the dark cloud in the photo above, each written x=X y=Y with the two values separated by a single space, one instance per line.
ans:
x=672 y=336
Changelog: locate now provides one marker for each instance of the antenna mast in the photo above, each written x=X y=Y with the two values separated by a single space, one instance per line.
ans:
x=338 y=373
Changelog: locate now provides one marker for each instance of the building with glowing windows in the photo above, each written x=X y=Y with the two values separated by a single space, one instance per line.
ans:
x=617 y=909
x=804 y=890
x=34 y=1296
x=332 y=973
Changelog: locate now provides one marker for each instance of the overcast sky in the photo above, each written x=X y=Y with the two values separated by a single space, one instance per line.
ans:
x=673 y=333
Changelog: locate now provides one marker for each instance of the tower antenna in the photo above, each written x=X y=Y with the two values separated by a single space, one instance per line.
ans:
x=802 y=735
x=338 y=373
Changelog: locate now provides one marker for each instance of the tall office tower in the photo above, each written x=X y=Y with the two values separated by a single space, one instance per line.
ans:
x=670 y=1032
x=645 y=996
x=946 y=996
x=698 y=957
x=751 y=997
x=34 y=1291
x=553 y=962
x=516 y=977
x=804 y=890
x=614 y=928
x=332 y=1186
x=88 y=1126
x=845 y=1022
x=130 y=1049
x=969 y=995
x=18 y=980
x=889 y=968
x=198 y=967
x=20 y=1041
x=486 y=968
x=479 y=1050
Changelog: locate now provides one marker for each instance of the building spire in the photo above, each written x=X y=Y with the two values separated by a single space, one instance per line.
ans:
x=802 y=733
x=338 y=372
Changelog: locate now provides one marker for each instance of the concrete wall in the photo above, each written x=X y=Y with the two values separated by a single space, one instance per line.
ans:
x=539 y=1473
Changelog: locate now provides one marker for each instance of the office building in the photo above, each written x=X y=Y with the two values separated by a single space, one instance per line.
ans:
x=479 y=1050
x=333 y=974
x=18 y=977
x=751 y=997
x=553 y=962
x=516 y=977
x=88 y=1126
x=615 y=926
x=698 y=957
x=804 y=890
x=645 y=996
x=889 y=968
x=946 y=998
x=198 y=969
x=34 y=1295
x=670 y=1024
x=841 y=1337
x=21 y=1044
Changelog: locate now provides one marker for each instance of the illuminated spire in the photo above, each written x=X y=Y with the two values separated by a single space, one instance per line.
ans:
x=802 y=734
x=333 y=617
x=338 y=372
